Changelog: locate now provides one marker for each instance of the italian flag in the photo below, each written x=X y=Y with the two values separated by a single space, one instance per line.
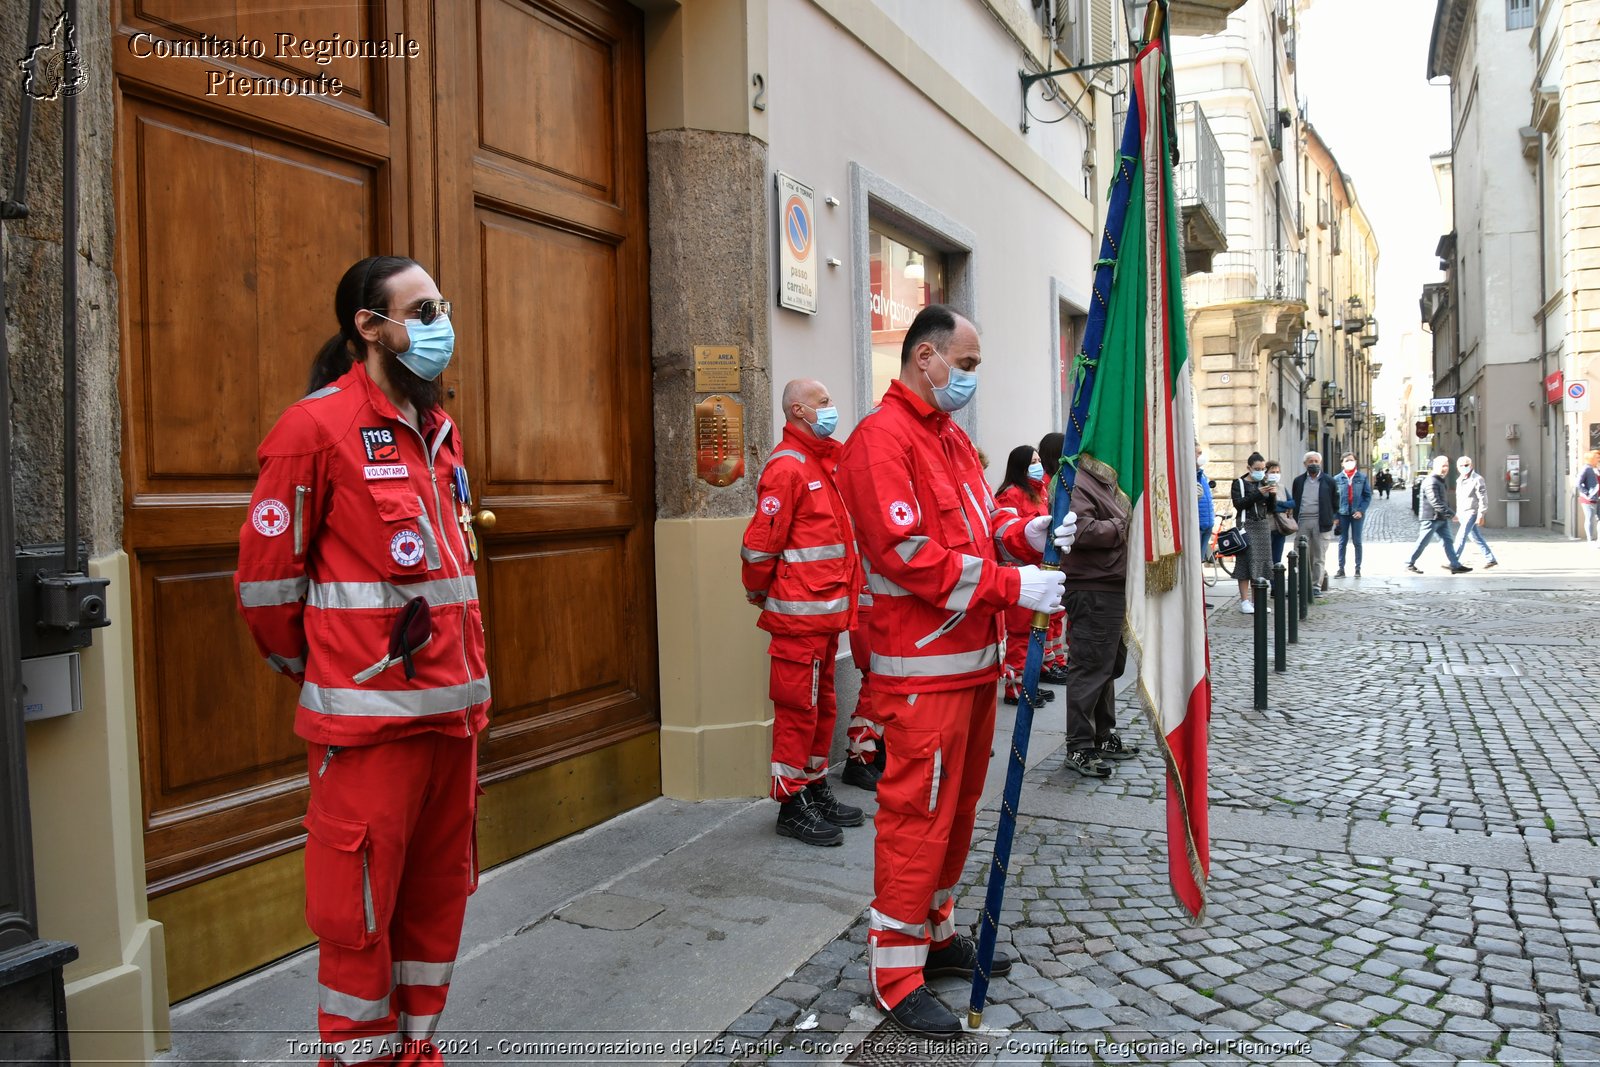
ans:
x=1135 y=404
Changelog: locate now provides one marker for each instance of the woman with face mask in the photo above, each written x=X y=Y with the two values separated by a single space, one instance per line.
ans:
x=1285 y=504
x=1023 y=491
x=1254 y=500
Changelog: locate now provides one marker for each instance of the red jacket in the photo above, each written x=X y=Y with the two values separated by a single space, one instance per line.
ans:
x=353 y=516
x=799 y=550
x=931 y=537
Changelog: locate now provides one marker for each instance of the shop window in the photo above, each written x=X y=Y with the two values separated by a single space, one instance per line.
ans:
x=906 y=276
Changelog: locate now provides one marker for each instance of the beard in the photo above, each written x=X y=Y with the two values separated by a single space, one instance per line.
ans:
x=423 y=394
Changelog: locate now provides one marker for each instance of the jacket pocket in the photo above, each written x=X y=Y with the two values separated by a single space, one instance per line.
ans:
x=953 y=522
x=916 y=764
x=405 y=534
x=341 y=901
x=796 y=673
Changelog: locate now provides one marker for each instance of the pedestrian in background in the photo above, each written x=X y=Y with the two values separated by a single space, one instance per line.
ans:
x=349 y=557
x=1283 y=523
x=1050 y=453
x=1023 y=492
x=1055 y=639
x=1433 y=517
x=1096 y=600
x=1355 y=499
x=1383 y=482
x=1472 y=503
x=1589 y=496
x=1208 y=508
x=801 y=570
x=1254 y=500
x=1315 y=507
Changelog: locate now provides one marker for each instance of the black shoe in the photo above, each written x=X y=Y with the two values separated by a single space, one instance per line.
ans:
x=959 y=959
x=1087 y=763
x=1358 y=572
x=828 y=804
x=1339 y=573
x=1009 y=700
x=861 y=775
x=1113 y=748
x=921 y=1013
x=1054 y=675
x=1324 y=583
x=1491 y=563
x=1413 y=568
x=1459 y=570
x=801 y=819
x=1047 y=695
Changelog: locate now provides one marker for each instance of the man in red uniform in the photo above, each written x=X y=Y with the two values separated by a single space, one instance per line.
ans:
x=931 y=538
x=800 y=568
x=355 y=579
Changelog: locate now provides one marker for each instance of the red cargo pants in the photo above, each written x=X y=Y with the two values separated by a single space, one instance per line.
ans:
x=863 y=732
x=801 y=688
x=390 y=861
x=927 y=799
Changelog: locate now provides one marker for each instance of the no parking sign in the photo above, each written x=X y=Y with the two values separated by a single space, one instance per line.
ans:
x=1578 y=395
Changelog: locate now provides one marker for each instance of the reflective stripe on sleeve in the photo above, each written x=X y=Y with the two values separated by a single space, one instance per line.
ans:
x=807 y=607
x=342 y=596
x=272 y=592
x=879 y=584
x=394 y=704
x=326 y=390
x=356 y=1009
x=811 y=555
x=750 y=555
x=908 y=548
x=791 y=453
x=419 y=972
x=935 y=666
x=961 y=596
x=864 y=600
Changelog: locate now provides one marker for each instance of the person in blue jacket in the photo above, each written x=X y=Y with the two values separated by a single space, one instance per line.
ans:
x=1208 y=509
x=1354 y=494
x=1275 y=477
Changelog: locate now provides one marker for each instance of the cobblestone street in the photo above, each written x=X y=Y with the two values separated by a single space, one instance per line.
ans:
x=1404 y=857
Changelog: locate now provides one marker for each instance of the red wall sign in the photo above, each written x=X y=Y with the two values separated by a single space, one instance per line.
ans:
x=1552 y=387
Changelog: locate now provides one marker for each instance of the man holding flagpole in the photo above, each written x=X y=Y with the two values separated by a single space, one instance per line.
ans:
x=931 y=538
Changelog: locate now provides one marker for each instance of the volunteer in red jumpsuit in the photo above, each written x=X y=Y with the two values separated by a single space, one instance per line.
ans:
x=801 y=569
x=1023 y=492
x=932 y=538
x=360 y=511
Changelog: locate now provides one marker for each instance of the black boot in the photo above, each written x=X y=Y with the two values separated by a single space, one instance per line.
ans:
x=960 y=958
x=921 y=1013
x=825 y=802
x=801 y=819
x=861 y=775
x=1053 y=675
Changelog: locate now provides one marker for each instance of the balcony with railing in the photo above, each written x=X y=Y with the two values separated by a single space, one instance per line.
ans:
x=1201 y=180
x=1251 y=274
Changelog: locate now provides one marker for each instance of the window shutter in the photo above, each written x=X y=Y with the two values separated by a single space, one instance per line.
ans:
x=1102 y=35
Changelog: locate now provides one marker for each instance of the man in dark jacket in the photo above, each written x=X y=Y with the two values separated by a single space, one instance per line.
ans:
x=1433 y=515
x=1316 y=505
x=1096 y=601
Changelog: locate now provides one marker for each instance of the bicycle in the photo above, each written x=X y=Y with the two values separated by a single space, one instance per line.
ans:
x=1214 y=562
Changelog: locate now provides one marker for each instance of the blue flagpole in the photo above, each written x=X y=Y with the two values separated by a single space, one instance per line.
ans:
x=1064 y=481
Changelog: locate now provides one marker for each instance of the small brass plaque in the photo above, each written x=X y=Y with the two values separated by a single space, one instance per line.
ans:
x=719 y=440
x=716 y=369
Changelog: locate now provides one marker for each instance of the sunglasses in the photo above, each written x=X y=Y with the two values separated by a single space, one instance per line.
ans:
x=428 y=311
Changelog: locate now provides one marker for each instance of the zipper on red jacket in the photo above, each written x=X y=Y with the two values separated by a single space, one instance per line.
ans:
x=431 y=456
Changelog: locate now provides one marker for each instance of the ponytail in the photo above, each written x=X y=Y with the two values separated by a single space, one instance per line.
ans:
x=333 y=361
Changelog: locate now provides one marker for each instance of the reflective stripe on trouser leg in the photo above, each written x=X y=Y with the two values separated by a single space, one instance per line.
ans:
x=896 y=953
x=918 y=852
x=827 y=709
x=864 y=731
x=942 y=917
x=798 y=663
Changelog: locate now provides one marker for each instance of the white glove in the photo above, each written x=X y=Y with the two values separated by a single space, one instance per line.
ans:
x=1067 y=533
x=1041 y=589
x=1038 y=529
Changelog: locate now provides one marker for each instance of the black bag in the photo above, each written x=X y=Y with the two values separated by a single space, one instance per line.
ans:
x=1233 y=542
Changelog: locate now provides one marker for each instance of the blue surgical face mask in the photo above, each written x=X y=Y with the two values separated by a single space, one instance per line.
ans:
x=431 y=346
x=1256 y=476
x=827 y=421
x=956 y=393
x=1036 y=471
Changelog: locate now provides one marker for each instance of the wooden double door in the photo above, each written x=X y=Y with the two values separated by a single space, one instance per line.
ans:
x=508 y=157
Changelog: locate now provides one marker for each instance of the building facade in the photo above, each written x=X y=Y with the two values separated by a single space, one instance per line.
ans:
x=616 y=196
x=1488 y=390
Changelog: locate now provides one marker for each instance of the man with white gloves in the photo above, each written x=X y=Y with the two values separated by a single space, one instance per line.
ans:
x=931 y=537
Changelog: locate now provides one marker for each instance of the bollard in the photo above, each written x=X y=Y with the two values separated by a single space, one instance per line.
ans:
x=1279 y=663
x=1258 y=587
x=1293 y=583
x=1305 y=581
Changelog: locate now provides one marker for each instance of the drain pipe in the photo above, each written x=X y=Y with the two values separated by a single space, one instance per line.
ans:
x=69 y=310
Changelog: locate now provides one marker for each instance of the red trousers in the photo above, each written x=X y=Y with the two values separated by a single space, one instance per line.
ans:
x=1019 y=627
x=863 y=731
x=927 y=800
x=391 y=857
x=804 y=709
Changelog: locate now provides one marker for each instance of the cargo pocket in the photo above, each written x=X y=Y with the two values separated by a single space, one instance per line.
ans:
x=953 y=519
x=796 y=673
x=340 y=901
x=406 y=537
x=916 y=763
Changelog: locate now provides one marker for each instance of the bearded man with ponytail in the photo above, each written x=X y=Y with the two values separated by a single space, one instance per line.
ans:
x=356 y=581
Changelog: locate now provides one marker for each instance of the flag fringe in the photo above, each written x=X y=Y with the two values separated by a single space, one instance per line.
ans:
x=1161 y=576
x=1174 y=782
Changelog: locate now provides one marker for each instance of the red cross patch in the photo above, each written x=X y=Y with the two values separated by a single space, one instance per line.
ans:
x=900 y=513
x=771 y=505
x=270 y=518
